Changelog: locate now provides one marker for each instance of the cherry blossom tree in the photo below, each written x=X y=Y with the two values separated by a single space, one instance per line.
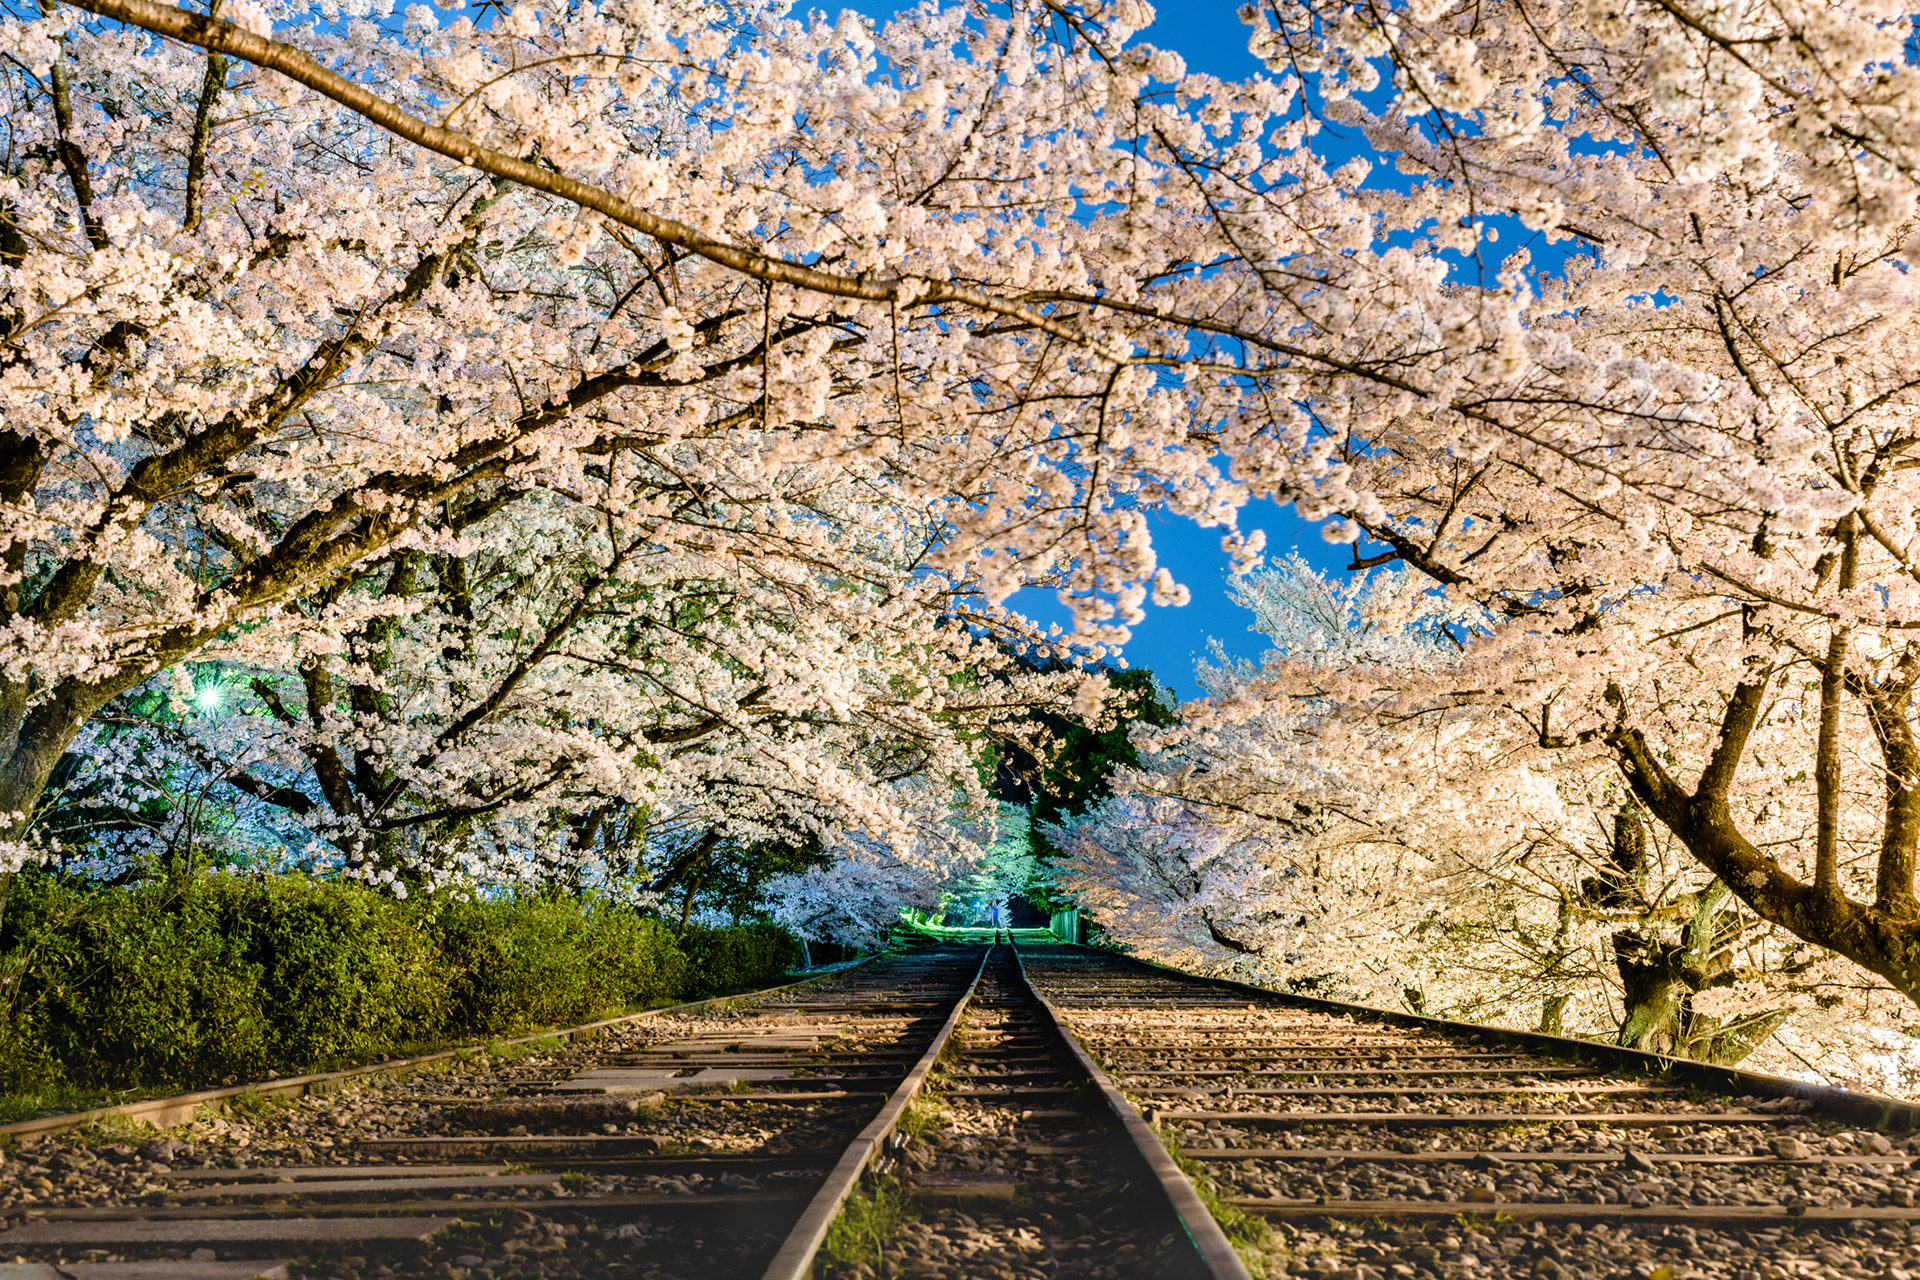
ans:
x=857 y=898
x=1297 y=827
x=272 y=368
x=561 y=703
x=1686 y=495
x=1664 y=446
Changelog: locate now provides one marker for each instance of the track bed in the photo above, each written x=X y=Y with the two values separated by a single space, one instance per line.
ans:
x=1378 y=1148
x=933 y=1104
x=1017 y=1168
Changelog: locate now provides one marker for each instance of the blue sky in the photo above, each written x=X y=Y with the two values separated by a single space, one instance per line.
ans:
x=1208 y=34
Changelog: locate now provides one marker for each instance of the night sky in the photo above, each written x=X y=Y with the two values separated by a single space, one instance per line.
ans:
x=1208 y=34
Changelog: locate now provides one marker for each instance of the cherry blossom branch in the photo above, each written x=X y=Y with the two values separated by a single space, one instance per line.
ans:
x=219 y=36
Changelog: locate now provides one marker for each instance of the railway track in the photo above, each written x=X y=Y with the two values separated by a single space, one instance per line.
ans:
x=1383 y=1146
x=1023 y=1164
x=686 y=1145
x=998 y=1112
x=707 y=1142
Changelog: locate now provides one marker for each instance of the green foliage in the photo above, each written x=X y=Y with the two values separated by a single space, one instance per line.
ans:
x=871 y=1217
x=732 y=959
x=232 y=978
x=734 y=878
x=136 y=987
x=1248 y=1233
x=535 y=960
x=1077 y=773
x=345 y=972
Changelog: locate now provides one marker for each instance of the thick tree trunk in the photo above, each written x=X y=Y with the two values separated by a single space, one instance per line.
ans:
x=1653 y=984
x=40 y=734
x=1874 y=937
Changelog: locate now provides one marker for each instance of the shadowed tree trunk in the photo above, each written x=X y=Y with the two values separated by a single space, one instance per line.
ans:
x=1882 y=936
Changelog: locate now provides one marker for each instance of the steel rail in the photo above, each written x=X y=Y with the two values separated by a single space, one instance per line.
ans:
x=182 y=1108
x=1216 y=1252
x=794 y=1261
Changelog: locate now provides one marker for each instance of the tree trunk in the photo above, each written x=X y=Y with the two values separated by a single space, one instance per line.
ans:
x=1873 y=937
x=40 y=737
x=1653 y=990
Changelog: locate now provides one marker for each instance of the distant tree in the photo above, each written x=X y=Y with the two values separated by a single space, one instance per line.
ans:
x=1065 y=762
x=1078 y=770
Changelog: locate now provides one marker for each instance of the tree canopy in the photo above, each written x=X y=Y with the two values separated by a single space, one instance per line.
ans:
x=805 y=345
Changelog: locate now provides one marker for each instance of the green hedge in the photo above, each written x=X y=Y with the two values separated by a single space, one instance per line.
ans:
x=523 y=962
x=721 y=960
x=239 y=979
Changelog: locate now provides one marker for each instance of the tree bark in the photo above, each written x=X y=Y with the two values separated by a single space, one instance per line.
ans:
x=1877 y=940
x=1653 y=992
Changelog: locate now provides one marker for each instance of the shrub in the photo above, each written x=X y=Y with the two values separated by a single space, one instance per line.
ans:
x=346 y=973
x=738 y=958
x=536 y=960
x=132 y=986
x=237 y=978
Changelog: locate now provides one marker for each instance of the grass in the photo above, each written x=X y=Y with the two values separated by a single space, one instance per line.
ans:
x=508 y=1051
x=870 y=1217
x=252 y=1105
x=110 y=1131
x=1248 y=1233
x=923 y=1117
x=56 y=1098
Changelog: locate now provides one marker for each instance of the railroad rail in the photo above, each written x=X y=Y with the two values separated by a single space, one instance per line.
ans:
x=991 y=1110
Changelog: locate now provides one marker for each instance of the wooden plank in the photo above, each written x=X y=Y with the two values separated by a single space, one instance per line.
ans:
x=100 y=1233
x=1415 y=1119
x=275 y=1173
x=810 y=1095
x=961 y=1191
x=1012 y=1092
x=266 y=1210
x=367 y=1186
x=703 y=1163
x=1732 y=1215
x=147 y=1269
x=1344 y=1072
x=1461 y=1091
x=1323 y=1155
x=507 y=1146
x=1159 y=1052
x=162 y=1269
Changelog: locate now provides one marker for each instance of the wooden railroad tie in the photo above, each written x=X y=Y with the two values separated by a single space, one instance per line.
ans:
x=1334 y=1156
x=1623 y=1119
x=1730 y=1215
